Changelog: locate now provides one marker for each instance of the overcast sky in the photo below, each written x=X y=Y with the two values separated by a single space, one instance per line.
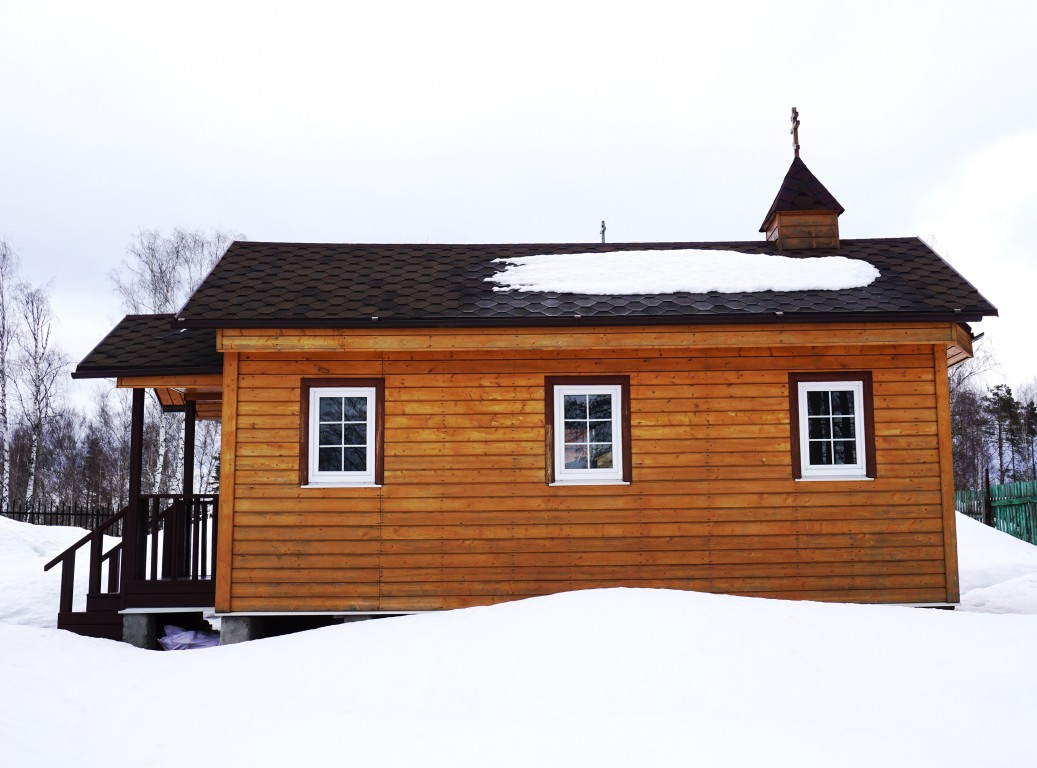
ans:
x=525 y=122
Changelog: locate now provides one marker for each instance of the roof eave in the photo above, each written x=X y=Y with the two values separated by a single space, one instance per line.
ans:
x=113 y=373
x=741 y=318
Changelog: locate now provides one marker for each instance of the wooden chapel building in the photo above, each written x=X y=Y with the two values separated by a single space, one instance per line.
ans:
x=400 y=433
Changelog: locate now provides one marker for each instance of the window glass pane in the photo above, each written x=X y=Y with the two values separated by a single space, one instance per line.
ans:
x=832 y=428
x=821 y=453
x=817 y=404
x=331 y=434
x=844 y=428
x=354 y=434
x=354 y=409
x=819 y=428
x=844 y=452
x=601 y=456
x=576 y=432
x=340 y=435
x=601 y=406
x=575 y=406
x=586 y=432
x=329 y=459
x=576 y=457
x=354 y=459
x=842 y=403
x=331 y=409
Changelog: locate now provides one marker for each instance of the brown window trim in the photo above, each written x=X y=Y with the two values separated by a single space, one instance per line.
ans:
x=795 y=379
x=550 y=382
x=305 y=385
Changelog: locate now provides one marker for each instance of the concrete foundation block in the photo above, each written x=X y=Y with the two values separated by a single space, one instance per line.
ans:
x=140 y=630
x=238 y=629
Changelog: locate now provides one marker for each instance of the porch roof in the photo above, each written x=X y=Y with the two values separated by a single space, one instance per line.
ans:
x=149 y=345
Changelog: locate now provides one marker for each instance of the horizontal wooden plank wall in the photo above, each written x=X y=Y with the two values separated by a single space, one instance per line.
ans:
x=643 y=338
x=465 y=516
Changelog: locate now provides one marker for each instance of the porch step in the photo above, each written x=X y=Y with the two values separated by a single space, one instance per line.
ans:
x=92 y=624
x=105 y=602
x=100 y=619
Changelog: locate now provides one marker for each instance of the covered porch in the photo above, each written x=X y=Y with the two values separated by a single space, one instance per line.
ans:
x=164 y=563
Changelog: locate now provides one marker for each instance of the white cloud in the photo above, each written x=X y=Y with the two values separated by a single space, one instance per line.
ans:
x=980 y=219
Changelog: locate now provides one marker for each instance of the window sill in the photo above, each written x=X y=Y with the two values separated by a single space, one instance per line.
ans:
x=341 y=485
x=588 y=482
x=834 y=478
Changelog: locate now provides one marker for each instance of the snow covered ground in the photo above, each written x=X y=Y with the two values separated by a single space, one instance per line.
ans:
x=619 y=677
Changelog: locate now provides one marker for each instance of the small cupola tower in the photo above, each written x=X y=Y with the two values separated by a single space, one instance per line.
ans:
x=804 y=214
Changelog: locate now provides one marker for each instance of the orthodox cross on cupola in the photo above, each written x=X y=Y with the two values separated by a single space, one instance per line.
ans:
x=795 y=131
x=804 y=214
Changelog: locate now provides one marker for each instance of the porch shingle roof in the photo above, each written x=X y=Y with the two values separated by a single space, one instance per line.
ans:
x=143 y=345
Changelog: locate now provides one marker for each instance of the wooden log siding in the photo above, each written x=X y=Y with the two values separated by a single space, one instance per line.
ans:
x=465 y=517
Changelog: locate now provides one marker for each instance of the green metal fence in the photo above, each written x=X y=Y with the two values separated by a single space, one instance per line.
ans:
x=1013 y=507
x=971 y=503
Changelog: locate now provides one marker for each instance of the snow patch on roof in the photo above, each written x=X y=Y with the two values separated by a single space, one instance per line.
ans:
x=620 y=273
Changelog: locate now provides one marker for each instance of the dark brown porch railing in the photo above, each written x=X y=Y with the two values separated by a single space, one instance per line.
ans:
x=176 y=545
x=97 y=560
x=181 y=540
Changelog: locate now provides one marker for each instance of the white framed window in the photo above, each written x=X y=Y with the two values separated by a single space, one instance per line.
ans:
x=589 y=424
x=342 y=435
x=832 y=421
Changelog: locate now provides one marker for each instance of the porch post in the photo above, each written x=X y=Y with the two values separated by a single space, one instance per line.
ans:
x=131 y=535
x=190 y=415
x=188 y=524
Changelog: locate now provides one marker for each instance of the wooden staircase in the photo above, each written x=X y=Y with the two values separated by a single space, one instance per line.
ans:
x=101 y=618
x=171 y=563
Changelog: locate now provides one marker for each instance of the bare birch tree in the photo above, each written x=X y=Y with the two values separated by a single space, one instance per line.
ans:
x=970 y=422
x=207 y=456
x=41 y=367
x=107 y=449
x=160 y=272
x=8 y=329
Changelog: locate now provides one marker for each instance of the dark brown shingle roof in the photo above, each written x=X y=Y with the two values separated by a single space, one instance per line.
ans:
x=346 y=285
x=801 y=191
x=148 y=345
